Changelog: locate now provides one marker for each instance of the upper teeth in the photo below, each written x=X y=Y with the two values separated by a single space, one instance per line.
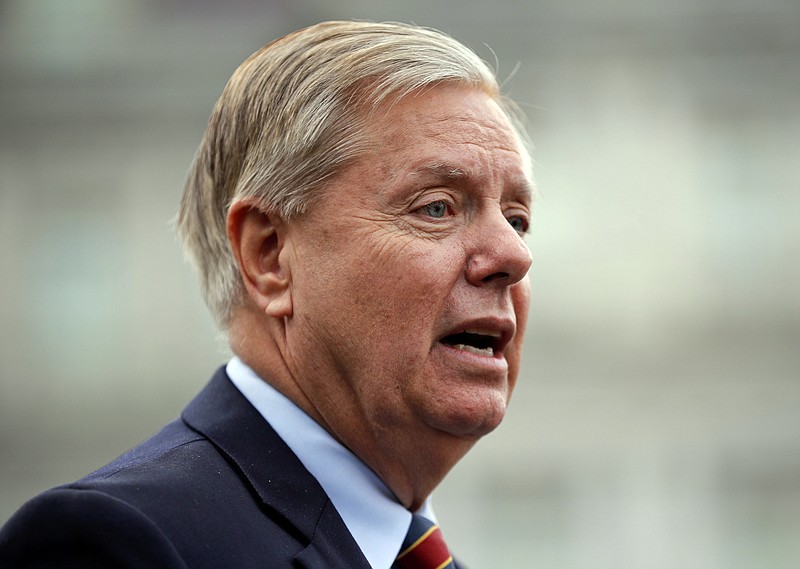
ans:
x=492 y=333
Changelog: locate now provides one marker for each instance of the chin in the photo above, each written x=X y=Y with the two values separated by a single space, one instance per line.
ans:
x=470 y=419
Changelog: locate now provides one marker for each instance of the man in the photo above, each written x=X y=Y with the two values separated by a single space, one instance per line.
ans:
x=356 y=212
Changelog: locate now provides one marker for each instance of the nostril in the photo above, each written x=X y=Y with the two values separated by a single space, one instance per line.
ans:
x=496 y=277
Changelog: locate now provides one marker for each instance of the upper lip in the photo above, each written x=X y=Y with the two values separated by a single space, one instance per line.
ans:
x=500 y=329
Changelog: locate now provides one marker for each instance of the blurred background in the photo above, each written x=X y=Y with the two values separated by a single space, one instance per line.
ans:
x=657 y=421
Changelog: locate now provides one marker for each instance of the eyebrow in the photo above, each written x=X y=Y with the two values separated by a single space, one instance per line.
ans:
x=445 y=172
x=523 y=188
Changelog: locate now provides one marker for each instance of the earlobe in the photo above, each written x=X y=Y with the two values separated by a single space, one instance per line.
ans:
x=257 y=240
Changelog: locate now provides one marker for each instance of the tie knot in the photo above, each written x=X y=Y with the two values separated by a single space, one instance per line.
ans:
x=424 y=547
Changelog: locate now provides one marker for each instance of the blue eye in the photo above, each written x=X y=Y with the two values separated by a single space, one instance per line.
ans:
x=520 y=224
x=435 y=209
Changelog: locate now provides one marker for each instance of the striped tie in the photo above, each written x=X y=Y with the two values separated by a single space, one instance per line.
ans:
x=424 y=547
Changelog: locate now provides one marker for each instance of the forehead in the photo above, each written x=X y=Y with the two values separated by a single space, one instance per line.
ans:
x=447 y=131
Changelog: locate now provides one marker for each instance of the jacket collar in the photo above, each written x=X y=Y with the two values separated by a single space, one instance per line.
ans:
x=222 y=414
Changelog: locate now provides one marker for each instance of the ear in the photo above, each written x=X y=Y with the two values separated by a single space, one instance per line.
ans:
x=257 y=239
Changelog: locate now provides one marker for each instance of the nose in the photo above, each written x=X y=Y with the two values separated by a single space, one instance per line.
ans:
x=499 y=256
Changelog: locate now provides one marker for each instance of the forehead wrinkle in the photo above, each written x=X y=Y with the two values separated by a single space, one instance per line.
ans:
x=449 y=127
x=486 y=133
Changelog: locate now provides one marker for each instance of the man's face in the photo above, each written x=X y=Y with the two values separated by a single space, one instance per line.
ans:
x=408 y=275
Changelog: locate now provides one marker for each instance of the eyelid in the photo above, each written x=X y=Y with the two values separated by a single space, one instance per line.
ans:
x=520 y=212
x=428 y=197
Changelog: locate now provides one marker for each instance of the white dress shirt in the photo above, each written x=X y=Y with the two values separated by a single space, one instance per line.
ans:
x=376 y=520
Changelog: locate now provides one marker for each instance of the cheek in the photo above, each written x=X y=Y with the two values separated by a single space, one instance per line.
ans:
x=520 y=295
x=411 y=274
x=380 y=289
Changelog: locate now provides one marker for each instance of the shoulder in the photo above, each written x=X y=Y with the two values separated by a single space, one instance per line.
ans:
x=67 y=527
x=216 y=488
x=105 y=519
x=175 y=501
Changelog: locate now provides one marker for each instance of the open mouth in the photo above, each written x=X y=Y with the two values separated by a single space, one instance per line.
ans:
x=480 y=342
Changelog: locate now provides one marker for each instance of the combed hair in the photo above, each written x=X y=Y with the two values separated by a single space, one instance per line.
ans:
x=292 y=116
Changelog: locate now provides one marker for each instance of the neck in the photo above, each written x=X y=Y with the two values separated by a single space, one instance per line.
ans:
x=410 y=464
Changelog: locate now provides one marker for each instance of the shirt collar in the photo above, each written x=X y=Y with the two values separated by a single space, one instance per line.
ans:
x=372 y=514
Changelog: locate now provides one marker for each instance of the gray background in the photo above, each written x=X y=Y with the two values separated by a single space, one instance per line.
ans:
x=657 y=421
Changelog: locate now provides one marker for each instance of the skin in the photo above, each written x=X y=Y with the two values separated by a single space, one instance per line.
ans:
x=417 y=239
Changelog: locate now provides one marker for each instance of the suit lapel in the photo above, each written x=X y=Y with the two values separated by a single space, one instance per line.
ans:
x=330 y=548
x=222 y=414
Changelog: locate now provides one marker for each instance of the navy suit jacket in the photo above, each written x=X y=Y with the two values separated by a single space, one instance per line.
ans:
x=217 y=488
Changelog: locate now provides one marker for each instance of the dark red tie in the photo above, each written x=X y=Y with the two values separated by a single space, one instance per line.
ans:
x=424 y=547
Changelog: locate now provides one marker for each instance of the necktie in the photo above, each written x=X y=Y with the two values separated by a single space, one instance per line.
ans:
x=424 y=547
